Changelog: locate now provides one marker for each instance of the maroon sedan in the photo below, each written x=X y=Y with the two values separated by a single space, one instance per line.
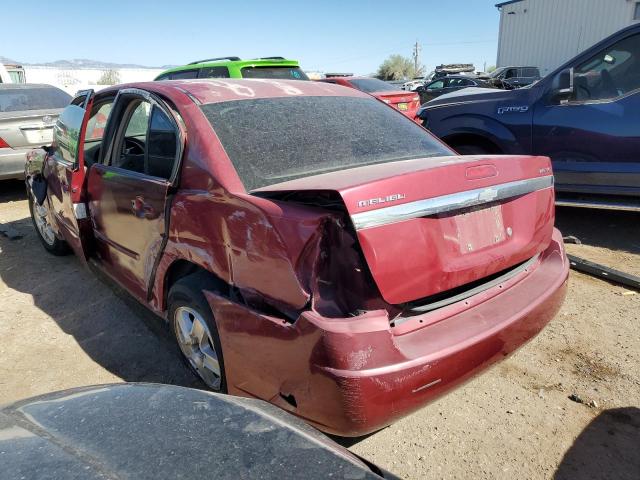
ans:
x=306 y=244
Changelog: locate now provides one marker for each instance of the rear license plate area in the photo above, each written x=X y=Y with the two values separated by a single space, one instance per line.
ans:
x=480 y=228
x=403 y=106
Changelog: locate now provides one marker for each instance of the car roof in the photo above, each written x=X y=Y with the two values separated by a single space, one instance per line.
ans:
x=235 y=62
x=214 y=90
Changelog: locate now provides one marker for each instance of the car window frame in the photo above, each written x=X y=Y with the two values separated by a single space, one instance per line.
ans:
x=115 y=129
x=205 y=68
x=585 y=59
x=436 y=88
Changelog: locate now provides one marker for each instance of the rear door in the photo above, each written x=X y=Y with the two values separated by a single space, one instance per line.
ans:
x=594 y=137
x=128 y=191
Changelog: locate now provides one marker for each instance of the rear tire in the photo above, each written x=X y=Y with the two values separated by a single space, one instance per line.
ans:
x=40 y=218
x=194 y=328
x=471 y=149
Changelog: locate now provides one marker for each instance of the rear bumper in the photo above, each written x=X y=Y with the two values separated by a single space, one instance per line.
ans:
x=356 y=375
x=12 y=162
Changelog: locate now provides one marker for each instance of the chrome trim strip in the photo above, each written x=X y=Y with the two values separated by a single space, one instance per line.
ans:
x=448 y=203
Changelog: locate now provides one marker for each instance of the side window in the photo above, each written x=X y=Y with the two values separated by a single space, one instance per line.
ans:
x=132 y=148
x=162 y=145
x=184 y=74
x=66 y=131
x=610 y=73
x=97 y=122
x=148 y=141
x=511 y=73
x=436 y=85
x=214 y=72
x=95 y=131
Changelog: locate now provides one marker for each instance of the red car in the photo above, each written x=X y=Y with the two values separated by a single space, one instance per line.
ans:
x=406 y=102
x=306 y=244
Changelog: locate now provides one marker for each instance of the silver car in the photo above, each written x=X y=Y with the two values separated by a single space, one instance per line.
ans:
x=28 y=113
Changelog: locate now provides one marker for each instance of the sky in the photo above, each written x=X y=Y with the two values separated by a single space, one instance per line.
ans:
x=329 y=36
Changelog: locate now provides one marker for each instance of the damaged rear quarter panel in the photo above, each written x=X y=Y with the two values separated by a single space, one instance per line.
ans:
x=258 y=246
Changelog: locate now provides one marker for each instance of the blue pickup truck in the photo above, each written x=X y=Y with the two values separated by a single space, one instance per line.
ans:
x=585 y=116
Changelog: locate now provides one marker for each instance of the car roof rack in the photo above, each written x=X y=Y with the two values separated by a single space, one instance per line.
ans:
x=232 y=59
x=270 y=58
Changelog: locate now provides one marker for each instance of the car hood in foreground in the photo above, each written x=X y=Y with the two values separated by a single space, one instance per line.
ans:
x=147 y=431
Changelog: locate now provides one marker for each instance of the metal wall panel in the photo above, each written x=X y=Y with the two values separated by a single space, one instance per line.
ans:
x=546 y=33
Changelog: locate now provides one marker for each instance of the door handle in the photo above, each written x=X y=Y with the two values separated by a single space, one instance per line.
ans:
x=141 y=209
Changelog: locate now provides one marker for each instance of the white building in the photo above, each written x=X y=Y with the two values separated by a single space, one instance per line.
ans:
x=74 y=79
x=546 y=33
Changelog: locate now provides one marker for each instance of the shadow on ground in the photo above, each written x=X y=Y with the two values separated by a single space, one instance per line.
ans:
x=608 y=448
x=601 y=228
x=112 y=328
x=12 y=190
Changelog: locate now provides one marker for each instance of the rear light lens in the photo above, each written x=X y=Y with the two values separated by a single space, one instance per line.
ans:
x=3 y=144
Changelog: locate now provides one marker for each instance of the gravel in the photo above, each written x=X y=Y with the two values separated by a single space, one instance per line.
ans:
x=61 y=328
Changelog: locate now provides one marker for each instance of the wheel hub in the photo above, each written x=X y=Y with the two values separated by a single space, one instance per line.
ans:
x=197 y=345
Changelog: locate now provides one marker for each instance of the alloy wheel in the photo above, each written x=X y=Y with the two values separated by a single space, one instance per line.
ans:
x=197 y=345
x=41 y=217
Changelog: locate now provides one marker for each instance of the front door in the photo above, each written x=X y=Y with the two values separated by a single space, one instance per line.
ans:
x=128 y=189
x=593 y=138
x=65 y=172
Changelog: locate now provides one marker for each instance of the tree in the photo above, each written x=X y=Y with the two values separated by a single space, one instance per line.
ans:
x=109 y=77
x=397 y=67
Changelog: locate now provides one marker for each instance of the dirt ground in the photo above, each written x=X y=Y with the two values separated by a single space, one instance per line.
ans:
x=61 y=327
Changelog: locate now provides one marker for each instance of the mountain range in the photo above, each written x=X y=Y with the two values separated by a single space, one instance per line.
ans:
x=81 y=63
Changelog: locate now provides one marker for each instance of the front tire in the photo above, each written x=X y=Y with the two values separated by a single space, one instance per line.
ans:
x=40 y=217
x=195 y=330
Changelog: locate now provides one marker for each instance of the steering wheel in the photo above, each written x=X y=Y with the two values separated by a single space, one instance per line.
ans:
x=133 y=146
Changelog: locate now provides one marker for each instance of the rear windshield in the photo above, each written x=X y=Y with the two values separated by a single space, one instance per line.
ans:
x=282 y=73
x=273 y=140
x=372 y=85
x=32 y=98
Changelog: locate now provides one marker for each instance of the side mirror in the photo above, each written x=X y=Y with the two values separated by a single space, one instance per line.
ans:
x=562 y=86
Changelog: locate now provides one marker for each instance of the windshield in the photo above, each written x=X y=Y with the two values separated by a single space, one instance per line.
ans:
x=281 y=73
x=497 y=72
x=370 y=85
x=273 y=140
x=18 y=99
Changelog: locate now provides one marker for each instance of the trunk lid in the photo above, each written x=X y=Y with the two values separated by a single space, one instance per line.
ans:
x=28 y=128
x=427 y=226
x=396 y=98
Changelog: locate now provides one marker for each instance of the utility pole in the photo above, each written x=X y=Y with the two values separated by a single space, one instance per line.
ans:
x=416 y=56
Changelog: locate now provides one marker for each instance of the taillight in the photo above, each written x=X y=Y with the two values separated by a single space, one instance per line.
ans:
x=3 y=144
